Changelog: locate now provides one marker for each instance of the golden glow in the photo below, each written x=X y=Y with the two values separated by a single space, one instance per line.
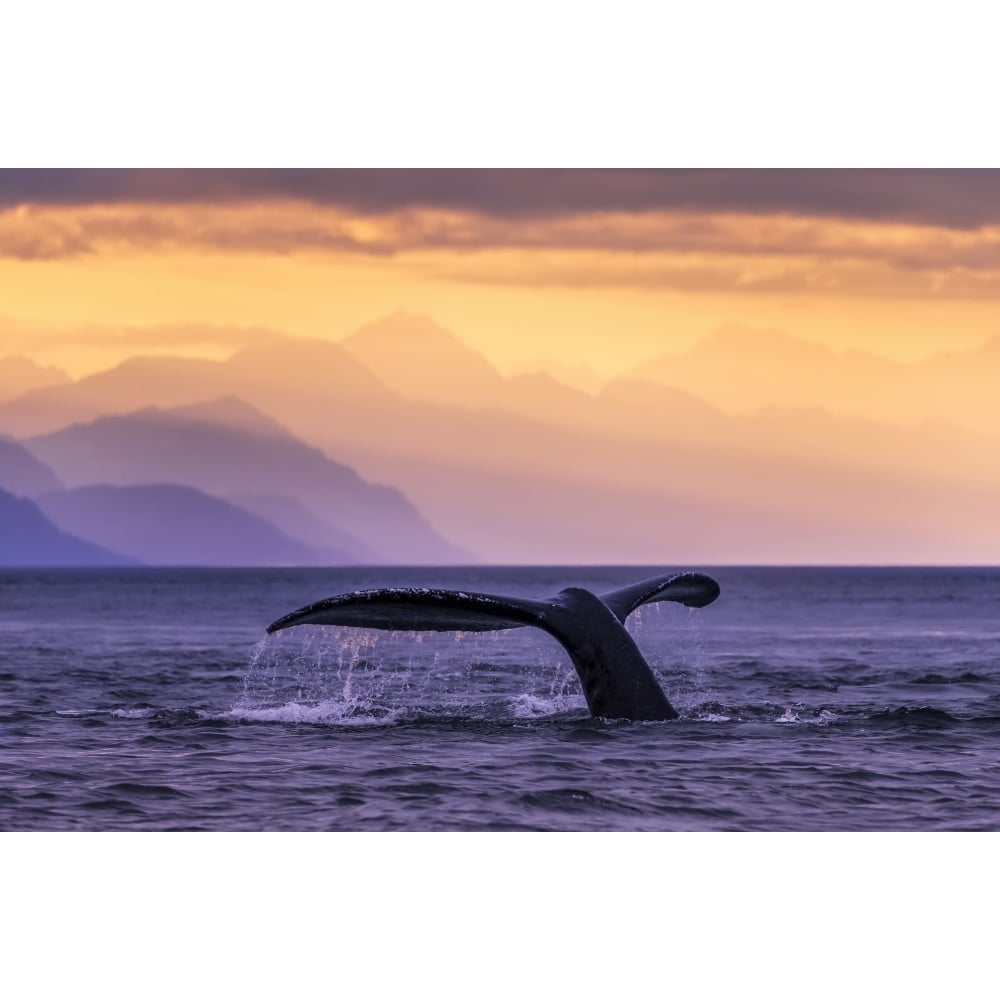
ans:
x=605 y=290
x=85 y=288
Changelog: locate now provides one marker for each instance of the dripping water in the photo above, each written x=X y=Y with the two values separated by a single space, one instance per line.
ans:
x=336 y=675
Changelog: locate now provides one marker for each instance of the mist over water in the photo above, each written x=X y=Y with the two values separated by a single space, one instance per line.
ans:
x=810 y=699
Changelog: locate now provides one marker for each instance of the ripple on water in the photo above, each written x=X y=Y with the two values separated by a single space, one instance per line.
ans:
x=141 y=790
x=923 y=716
x=574 y=800
x=146 y=724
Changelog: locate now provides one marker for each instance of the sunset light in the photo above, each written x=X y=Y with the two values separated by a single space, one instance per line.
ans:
x=798 y=365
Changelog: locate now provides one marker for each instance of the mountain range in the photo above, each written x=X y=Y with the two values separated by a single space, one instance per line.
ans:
x=741 y=370
x=29 y=538
x=169 y=525
x=227 y=448
x=154 y=524
x=529 y=469
x=19 y=375
x=22 y=474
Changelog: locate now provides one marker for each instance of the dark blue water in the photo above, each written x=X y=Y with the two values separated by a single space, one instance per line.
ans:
x=810 y=699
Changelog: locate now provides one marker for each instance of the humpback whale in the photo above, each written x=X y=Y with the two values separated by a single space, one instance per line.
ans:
x=617 y=681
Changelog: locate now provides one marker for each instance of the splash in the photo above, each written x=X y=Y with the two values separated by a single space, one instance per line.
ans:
x=322 y=667
x=672 y=640
x=133 y=713
x=347 y=676
x=333 y=712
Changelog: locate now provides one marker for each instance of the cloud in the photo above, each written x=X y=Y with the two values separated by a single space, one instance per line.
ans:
x=784 y=276
x=31 y=232
x=34 y=232
x=667 y=250
x=951 y=198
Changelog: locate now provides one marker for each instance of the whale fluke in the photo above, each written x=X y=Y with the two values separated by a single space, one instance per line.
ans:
x=417 y=609
x=693 y=590
x=617 y=681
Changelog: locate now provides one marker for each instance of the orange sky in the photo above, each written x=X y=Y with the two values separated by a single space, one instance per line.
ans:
x=580 y=281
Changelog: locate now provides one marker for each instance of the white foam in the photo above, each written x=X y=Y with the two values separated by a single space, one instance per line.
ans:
x=332 y=712
x=530 y=706
x=132 y=713
x=713 y=717
x=822 y=718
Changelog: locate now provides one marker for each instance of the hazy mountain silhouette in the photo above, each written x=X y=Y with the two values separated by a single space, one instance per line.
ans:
x=533 y=470
x=131 y=385
x=244 y=452
x=19 y=375
x=419 y=359
x=649 y=473
x=741 y=370
x=21 y=473
x=294 y=376
x=299 y=522
x=168 y=525
x=304 y=383
x=29 y=538
x=578 y=376
x=225 y=411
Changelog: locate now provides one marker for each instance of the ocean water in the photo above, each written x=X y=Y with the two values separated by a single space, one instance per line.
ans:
x=810 y=699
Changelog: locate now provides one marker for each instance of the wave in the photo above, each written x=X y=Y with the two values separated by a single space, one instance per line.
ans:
x=338 y=712
x=924 y=715
x=714 y=711
x=523 y=707
x=967 y=677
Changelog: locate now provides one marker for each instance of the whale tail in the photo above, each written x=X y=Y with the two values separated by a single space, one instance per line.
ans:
x=417 y=609
x=694 y=590
x=617 y=681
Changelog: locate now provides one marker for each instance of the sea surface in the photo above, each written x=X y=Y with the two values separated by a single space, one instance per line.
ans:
x=810 y=699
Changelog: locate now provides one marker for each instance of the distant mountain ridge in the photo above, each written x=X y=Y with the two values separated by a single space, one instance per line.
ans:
x=169 y=525
x=415 y=357
x=741 y=370
x=246 y=453
x=405 y=357
x=225 y=411
x=297 y=521
x=29 y=538
x=19 y=375
x=22 y=474
x=540 y=472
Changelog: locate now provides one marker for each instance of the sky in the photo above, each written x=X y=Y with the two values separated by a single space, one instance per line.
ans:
x=601 y=268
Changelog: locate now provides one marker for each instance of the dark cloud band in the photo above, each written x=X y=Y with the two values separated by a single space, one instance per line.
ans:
x=954 y=198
